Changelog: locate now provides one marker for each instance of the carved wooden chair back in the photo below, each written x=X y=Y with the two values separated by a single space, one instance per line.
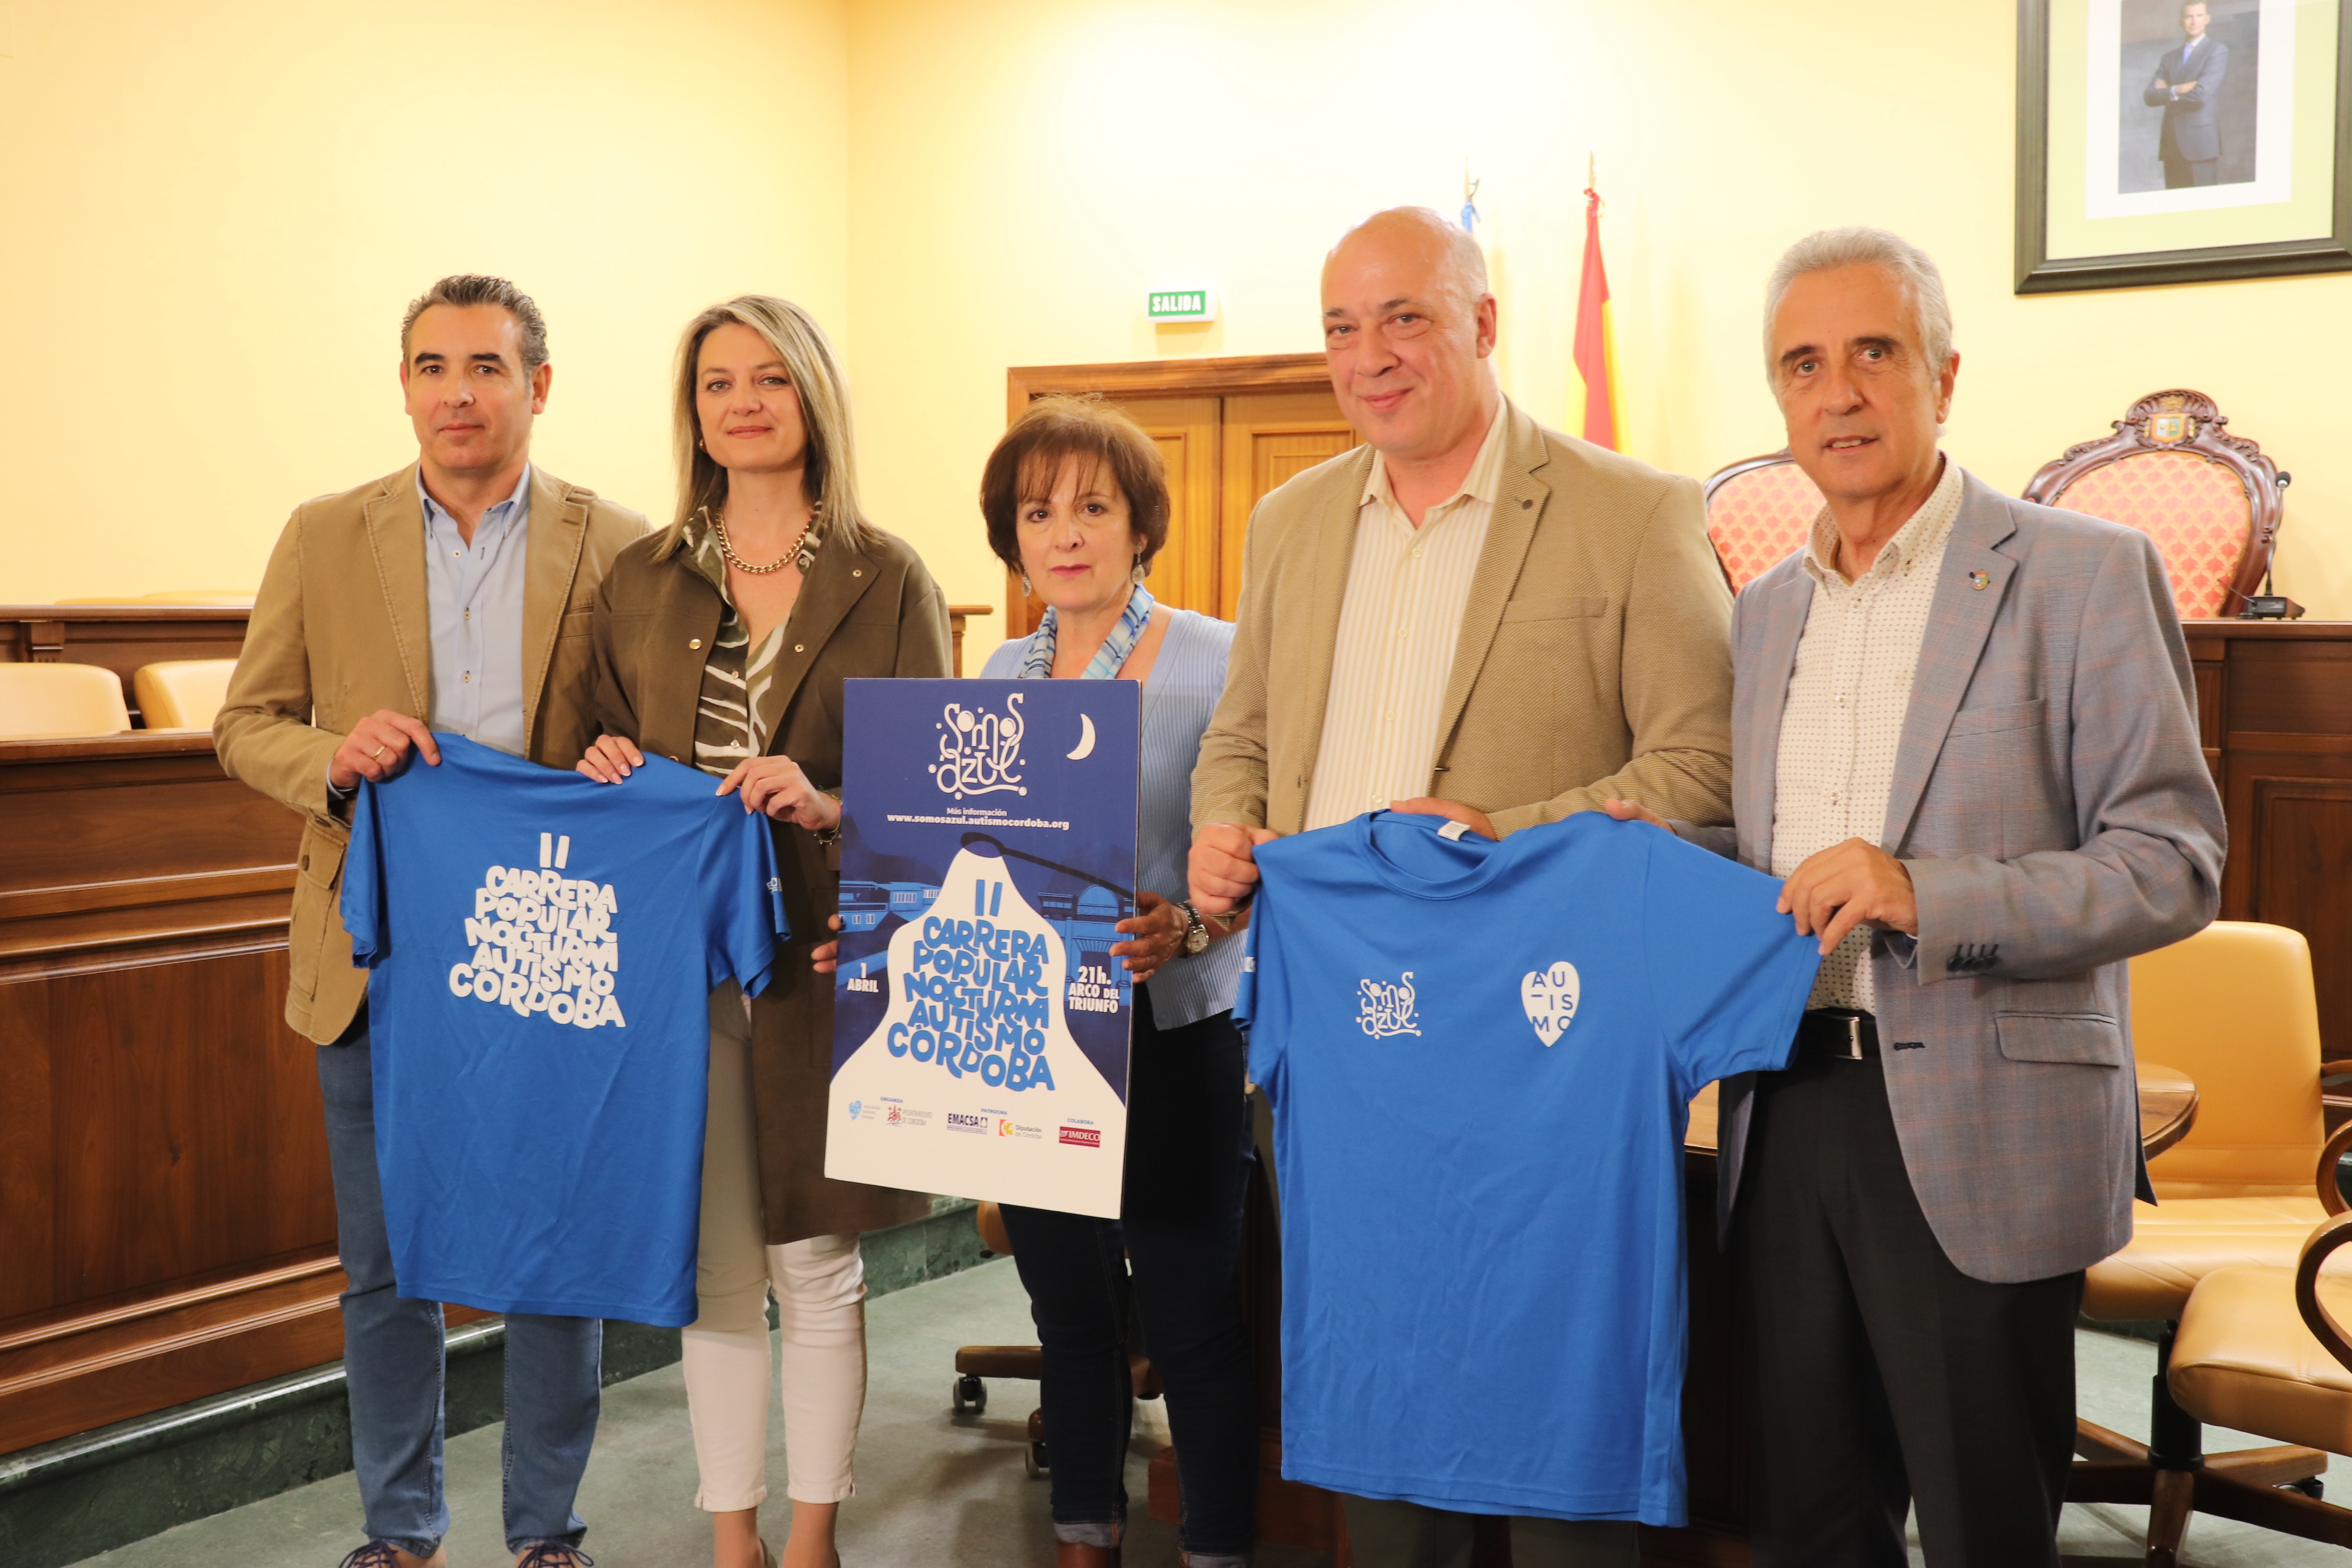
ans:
x=1758 y=511
x=2210 y=499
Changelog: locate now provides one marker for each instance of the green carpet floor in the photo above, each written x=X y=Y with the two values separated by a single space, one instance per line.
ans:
x=935 y=1489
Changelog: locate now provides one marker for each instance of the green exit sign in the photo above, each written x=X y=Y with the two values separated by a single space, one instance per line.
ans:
x=1182 y=304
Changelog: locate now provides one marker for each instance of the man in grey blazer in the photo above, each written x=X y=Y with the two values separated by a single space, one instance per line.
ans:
x=2187 y=84
x=1962 y=730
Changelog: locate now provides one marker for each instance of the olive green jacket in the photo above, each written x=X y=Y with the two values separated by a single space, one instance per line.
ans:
x=1594 y=657
x=861 y=613
x=340 y=630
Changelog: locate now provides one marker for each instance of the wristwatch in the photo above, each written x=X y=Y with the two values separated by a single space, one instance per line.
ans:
x=1196 y=930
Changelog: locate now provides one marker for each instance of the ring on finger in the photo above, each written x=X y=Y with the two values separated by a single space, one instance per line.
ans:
x=377 y=755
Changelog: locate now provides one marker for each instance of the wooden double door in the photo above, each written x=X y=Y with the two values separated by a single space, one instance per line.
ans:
x=1229 y=429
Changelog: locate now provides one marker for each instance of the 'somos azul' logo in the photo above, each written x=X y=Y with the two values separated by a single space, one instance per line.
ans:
x=543 y=942
x=1384 y=1009
x=980 y=752
x=855 y=1106
x=1550 y=997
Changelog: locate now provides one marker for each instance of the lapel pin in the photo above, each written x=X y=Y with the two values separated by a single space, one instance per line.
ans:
x=1980 y=581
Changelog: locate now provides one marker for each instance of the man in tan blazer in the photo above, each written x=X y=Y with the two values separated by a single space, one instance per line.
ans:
x=1470 y=615
x=452 y=595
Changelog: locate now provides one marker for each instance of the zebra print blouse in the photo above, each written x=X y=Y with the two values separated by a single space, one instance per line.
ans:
x=730 y=725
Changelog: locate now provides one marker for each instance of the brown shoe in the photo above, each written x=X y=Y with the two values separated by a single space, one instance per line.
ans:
x=384 y=1554
x=1077 y=1555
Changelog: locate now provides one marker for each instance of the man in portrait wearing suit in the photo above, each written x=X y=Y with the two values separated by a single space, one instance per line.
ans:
x=1964 y=732
x=2188 y=81
x=1470 y=606
x=452 y=595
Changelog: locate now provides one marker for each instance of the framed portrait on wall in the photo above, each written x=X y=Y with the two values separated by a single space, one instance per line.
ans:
x=2181 y=141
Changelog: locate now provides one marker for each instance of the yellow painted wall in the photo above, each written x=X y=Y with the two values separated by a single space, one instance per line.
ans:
x=214 y=217
x=214 y=214
x=1021 y=174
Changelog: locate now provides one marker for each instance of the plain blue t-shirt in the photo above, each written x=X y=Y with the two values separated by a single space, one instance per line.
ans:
x=1481 y=1057
x=543 y=950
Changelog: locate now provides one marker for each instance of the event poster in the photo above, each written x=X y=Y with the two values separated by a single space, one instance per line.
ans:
x=987 y=857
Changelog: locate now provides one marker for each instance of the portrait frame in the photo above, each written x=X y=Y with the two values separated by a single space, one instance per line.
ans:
x=2073 y=233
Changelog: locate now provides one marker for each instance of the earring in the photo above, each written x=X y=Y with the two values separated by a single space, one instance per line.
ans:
x=1026 y=591
x=1139 y=572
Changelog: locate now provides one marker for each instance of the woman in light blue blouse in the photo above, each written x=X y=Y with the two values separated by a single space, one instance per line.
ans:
x=1076 y=500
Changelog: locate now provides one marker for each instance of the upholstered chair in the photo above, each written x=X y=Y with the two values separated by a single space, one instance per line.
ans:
x=2210 y=499
x=2262 y=1348
x=1028 y=1362
x=49 y=701
x=182 y=693
x=2232 y=1007
x=1758 y=513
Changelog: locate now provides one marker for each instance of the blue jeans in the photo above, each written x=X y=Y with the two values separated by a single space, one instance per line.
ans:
x=392 y=1359
x=1180 y=1233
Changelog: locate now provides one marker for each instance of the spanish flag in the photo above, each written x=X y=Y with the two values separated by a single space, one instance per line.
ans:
x=1596 y=343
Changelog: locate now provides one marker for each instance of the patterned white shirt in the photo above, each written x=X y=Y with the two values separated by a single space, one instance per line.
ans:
x=1842 y=723
x=1407 y=590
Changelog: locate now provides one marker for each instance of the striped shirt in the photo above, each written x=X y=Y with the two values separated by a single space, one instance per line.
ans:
x=729 y=723
x=1187 y=678
x=1407 y=590
x=1842 y=723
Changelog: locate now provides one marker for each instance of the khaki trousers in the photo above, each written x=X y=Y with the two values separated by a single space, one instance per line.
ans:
x=819 y=1286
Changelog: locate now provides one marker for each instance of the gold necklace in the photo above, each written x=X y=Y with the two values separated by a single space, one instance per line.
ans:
x=791 y=552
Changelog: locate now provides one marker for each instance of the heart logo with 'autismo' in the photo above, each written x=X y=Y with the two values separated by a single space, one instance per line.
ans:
x=1550 y=997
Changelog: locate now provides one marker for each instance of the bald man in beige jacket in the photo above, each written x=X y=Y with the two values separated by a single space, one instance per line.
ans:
x=1470 y=615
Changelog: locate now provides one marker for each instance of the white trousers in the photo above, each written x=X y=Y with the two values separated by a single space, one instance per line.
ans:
x=820 y=1290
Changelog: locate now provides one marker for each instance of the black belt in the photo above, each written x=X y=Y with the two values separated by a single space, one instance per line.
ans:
x=1837 y=1033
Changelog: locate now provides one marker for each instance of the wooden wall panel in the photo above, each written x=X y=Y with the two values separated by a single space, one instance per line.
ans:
x=78 y=847
x=1185 y=429
x=2303 y=877
x=27 y=1216
x=187 y=1123
x=115 y=1359
x=2301 y=685
x=1270 y=438
x=164 y=1186
x=2275 y=700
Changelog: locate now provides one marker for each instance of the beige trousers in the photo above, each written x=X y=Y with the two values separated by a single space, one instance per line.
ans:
x=820 y=1290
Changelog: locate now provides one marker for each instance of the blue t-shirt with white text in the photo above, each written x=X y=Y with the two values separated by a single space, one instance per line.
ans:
x=1480 y=1057
x=544 y=948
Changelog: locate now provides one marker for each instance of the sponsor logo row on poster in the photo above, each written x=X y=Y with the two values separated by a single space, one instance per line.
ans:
x=984 y=1122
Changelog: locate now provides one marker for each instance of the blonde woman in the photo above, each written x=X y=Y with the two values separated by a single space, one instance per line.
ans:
x=723 y=641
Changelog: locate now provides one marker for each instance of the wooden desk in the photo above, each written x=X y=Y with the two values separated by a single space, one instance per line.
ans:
x=168 y=1218
x=2274 y=706
x=163 y=1185
x=2168 y=1107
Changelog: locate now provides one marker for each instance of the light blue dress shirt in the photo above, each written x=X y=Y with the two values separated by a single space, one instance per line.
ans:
x=1187 y=679
x=473 y=597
